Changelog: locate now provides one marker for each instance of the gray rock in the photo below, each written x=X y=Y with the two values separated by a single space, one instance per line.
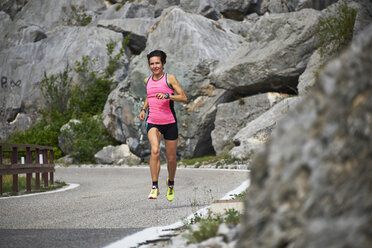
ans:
x=307 y=79
x=66 y=160
x=12 y=7
x=250 y=139
x=315 y=64
x=272 y=6
x=280 y=6
x=136 y=28
x=310 y=187
x=161 y=5
x=116 y=155
x=275 y=55
x=236 y=9
x=231 y=117
x=215 y=242
x=207 y=8
x=314 y=4
x=364 y=14
x=33 y=34
x=65 y=141
x=137 y=9
x=55 y=12
x=5 y=21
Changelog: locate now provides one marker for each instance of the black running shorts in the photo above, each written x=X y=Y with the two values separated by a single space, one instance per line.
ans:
x=169 y=131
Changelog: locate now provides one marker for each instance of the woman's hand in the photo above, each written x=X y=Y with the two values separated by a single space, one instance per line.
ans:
x=142 y=115
x=161 y=96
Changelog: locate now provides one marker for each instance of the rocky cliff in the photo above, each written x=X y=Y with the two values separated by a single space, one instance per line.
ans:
x=311 y=185
x=227 y=56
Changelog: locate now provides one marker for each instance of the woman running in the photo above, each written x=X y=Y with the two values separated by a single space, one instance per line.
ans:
x=161 y=120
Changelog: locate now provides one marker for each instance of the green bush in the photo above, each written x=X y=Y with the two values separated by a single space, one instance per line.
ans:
x=88 y=137
x=56 y=90
x=92 y=99
x=335 y=32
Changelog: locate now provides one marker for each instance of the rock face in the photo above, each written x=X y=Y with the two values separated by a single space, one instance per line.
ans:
x=251 y=138
x=275 y=56
x=231 y=117
x=219 y=51
x=311 y=186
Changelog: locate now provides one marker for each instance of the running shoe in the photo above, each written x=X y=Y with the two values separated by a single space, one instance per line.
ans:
x=154 y=193
x=170 y=191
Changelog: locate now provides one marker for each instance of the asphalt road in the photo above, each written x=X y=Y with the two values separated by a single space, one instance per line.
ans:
x=109 y=204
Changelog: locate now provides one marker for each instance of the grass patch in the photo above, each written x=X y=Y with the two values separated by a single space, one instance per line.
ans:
x=335 y=32
x=8 y=186
x=218 y=161
x=204 y=160
x=240 y=196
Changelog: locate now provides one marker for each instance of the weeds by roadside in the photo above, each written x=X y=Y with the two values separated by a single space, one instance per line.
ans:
x=198 y=229
x=217 y=161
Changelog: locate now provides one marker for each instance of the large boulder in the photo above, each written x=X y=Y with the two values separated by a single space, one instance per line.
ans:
x=311 y=186
x=130 y=9
x=116 y=155
x=207 y=8
x=5 y=21
x=235 y=9
x=277 y=51
x=191 y=61
x=316 y=62
x=12 y=7
x=136 y=28
x=232 y=116
x=280 y=6
x=66 y=141
x=250 y=139
x=55 y=15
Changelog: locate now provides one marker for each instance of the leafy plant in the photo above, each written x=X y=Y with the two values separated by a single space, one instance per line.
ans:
x=232 y=216
x=240 y=196
x=56 y=90
x=77 y=16
x=88 y=137
x=335 y=32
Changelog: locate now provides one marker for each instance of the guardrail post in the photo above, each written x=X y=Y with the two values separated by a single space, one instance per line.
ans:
x=45 y=161
x=28 y=175
x=37 y=174
x=51 y=161
x=1 y=177
x=1 y=154
x=14 y=161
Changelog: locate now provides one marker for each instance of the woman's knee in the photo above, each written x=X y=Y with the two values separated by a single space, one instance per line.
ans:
x=155 y=151
x=172 y=158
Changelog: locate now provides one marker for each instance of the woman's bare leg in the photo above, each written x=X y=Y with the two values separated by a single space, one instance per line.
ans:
x=171 y=149
x=154 y=137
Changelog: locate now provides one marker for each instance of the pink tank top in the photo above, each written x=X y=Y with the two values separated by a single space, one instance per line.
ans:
x=161 y=111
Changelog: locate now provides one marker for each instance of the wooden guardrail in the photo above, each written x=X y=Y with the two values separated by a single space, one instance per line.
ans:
x=36 y=159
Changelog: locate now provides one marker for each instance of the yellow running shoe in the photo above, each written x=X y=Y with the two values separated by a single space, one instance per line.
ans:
x=154 y=193
x=170 y=191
